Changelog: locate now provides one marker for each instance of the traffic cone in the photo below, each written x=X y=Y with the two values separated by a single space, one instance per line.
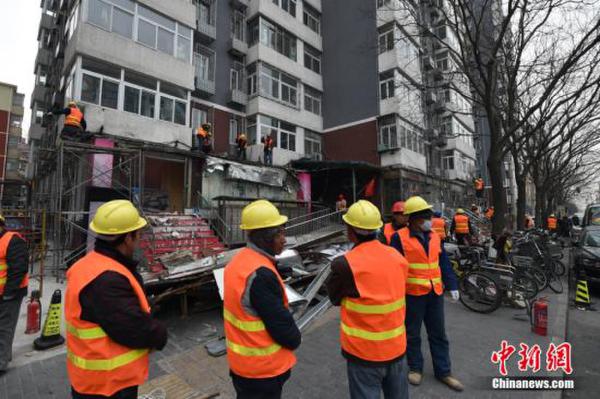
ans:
x=51 y=332
x=582 y=295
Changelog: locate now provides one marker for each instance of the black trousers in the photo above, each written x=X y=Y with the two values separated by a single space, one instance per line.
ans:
x=127 y=393
x=9 y=315
x=259 y=388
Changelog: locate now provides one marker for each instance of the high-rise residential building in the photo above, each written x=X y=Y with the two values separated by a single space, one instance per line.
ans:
x=353 y=80
x=11 y=119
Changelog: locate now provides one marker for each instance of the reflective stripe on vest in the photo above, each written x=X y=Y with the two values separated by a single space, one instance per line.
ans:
x=372 y=326
x=388 y=232
x=423 y=268
x=461 y=224
x=74 y=118
x=89 y=348
x=251 y=351
x=4 y=243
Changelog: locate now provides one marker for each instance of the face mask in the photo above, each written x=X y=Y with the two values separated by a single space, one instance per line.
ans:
x=426 y=226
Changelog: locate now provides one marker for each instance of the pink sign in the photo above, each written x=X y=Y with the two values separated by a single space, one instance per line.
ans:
x=305 y=192
x=102 y=164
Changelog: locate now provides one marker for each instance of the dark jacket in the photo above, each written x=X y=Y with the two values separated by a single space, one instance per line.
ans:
x=448 y=275
x=67 y=111
x=17 y=259
x=341 y=284
x=110 y=301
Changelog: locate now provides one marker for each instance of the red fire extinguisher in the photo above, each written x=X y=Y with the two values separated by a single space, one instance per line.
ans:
x=539 y=316
x=34 y=312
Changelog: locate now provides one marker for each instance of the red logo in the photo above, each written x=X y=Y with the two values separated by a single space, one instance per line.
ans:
x=557 y=357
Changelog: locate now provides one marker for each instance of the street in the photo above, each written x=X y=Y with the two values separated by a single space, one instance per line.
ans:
x=184 y=369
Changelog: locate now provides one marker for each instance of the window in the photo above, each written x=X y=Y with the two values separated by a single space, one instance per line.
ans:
x=278 y=39
x=39 y=116
x=139 y=101
x=71 y=24
x=381 y=3
x=252 y=80
x=278 y=85
x=388 y=139
x=411 y=139
x=110 y=94
x=180 y=110
x=99 y=13
x=16 y=120
x=386 y=40
x=254 y=31
x=166 y=109
x=448 y=160
x=236 y=79
x=206 y=13
x=122 y=23
x=199 y=116
x=237 y=25
x=287 y=5
x=90 y=89
x=312 y=18
x=312 y=100
x=42 y=75
x=312 y=144
x=205 y=64
x=386 y=86
x=184 y=42
x=233 y=130
x=289 y=90
x=312 y=59
x=146 y=33
x=283 y=133
x=165 y=41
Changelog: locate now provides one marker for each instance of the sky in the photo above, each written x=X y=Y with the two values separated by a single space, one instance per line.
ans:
x=19 y=21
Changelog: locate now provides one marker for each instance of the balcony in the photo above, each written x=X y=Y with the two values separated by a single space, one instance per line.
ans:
x=237 y=97
x=207 y=32
x=240 y=3
x=39 y=94
x=238 y=47
x=43 y=57
x=36 y=131
x=47 y=21
x=205 y=86
x=428 y=63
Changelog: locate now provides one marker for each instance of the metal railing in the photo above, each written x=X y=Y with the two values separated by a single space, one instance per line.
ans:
x=332 y=220
x=220 y=227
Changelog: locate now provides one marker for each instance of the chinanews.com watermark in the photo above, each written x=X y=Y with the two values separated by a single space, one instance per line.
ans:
x=555 y=358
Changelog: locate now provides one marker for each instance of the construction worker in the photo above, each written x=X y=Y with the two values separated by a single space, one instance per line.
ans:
x=242 y=144
x=461 y=227
x=528 y=222
x=75 y=124
x=204 y=136
x=369 y=284
x=552 y=223
x=475 y=210
x=398 y=221
x=439 y=225
x=428 y=267
x=489 y=213
x=14 y=263
x=341 y=204
x=109 y=327
x=268 y=145
x=479 y=187
x=260 y=330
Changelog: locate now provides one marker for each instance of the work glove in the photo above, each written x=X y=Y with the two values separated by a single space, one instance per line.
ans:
x=455 y=295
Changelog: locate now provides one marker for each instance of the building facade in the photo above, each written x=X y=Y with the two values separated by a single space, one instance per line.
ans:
x=12 y=176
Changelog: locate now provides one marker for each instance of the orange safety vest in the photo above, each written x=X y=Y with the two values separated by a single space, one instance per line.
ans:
x=479 y=184
x=439 y=226
x=552 y=223
x=489 y=213
x=269 y=143
x=372 y=326
x=74 y=118
x=461 y=224
x=96 y=364
x=201 y=132
x=423 y=269
x=251 y=351
x=388 y=232
x=4 y=242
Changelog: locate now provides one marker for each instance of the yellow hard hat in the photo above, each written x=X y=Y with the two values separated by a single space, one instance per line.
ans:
x=72 y=104
x=363 y=215
x=552 y=215
x=261 y=214
x=460 y=211
x=117 y=217
x=416 y=204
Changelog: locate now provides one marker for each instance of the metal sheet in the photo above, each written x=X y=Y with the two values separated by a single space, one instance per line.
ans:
x=257 y=174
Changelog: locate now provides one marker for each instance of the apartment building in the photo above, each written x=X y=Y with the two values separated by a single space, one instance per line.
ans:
x=258 y=70
x=11 y=141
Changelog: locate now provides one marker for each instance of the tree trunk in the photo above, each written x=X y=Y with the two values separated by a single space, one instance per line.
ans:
x=540 y=203
x=521 y=201
x=498 y=196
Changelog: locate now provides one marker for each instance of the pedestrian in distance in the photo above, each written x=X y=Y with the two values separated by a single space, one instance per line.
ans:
x=398 y=221
x=242 y=144
x=260 y=330
x=429 y=272
x=268 y=145
x=14 y=279
x=368 y=283
x=461 y=227
x=110 y=330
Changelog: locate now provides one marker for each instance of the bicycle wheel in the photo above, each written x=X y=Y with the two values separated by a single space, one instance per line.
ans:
x=559 y=267
x=540 y=277
x=479 y=292
x=555 y=283
x=526 y=285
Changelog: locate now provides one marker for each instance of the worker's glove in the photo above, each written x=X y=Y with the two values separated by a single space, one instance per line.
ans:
x=455 y=295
